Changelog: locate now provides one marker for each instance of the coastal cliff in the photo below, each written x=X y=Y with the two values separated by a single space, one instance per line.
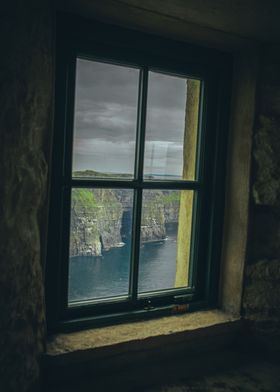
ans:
x=101 y=218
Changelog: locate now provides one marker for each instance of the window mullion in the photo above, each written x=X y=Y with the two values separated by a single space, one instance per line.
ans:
x=138 y=173
x=141 y=124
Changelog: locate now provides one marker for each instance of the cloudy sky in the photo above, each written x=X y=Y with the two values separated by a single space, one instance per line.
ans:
x=106 y=114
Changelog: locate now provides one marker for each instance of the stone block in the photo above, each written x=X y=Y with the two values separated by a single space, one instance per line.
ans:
x=266 y=172
x=264 y=233
x=262 y=290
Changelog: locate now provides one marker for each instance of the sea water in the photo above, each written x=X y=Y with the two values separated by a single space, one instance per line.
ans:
x=92 y=277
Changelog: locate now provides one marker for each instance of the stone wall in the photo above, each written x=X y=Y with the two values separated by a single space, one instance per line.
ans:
x=261 y=301
x=26 y=79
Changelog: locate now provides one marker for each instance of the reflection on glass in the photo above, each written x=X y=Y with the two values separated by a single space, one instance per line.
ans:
x=105 y=120
x=171 y=127
x=100 y=242
x=166 y=219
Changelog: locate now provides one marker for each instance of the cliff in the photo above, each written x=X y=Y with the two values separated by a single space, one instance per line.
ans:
x=101 y=218
x=96 y=217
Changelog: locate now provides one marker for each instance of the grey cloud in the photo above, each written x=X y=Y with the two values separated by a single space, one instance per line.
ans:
x=105 y=82
x=106 y=114
x=167 y=91
x=106 y=121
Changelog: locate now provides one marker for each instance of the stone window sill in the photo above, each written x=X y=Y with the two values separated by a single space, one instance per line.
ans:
x=116 y=357
x=84 y=345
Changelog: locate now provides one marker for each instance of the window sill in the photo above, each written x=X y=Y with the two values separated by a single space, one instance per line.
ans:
x=141 y=353
x=164 y=338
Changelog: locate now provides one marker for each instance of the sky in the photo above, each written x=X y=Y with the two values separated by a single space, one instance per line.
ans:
x=106 y=115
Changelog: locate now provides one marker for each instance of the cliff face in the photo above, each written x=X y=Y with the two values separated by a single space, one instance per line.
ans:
x=159 y=208
x=96 y=218
x=101 y=218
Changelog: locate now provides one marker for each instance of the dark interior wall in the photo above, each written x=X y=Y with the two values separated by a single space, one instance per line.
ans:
x=26 y=80
x=261 y=301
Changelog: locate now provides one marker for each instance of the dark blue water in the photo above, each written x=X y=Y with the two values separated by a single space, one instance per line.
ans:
x=99 y=277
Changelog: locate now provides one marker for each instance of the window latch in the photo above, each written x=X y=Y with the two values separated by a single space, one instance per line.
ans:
x=148 y=305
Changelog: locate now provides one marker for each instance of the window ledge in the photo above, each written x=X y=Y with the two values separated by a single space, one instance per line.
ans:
x=128 y=351
x=73 y=345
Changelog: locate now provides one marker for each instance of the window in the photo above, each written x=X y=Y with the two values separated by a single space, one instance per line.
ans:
x=137 y=176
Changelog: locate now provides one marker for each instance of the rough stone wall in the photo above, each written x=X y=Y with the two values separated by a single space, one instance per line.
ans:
x=261 y=301
x=26 y=80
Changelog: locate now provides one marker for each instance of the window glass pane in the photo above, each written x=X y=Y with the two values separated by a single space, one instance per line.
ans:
x=171 y=127
x=105 y=120
x=165 y=239
x=100 y=241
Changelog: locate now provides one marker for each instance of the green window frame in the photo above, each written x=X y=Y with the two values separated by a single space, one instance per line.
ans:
x=94 y=41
